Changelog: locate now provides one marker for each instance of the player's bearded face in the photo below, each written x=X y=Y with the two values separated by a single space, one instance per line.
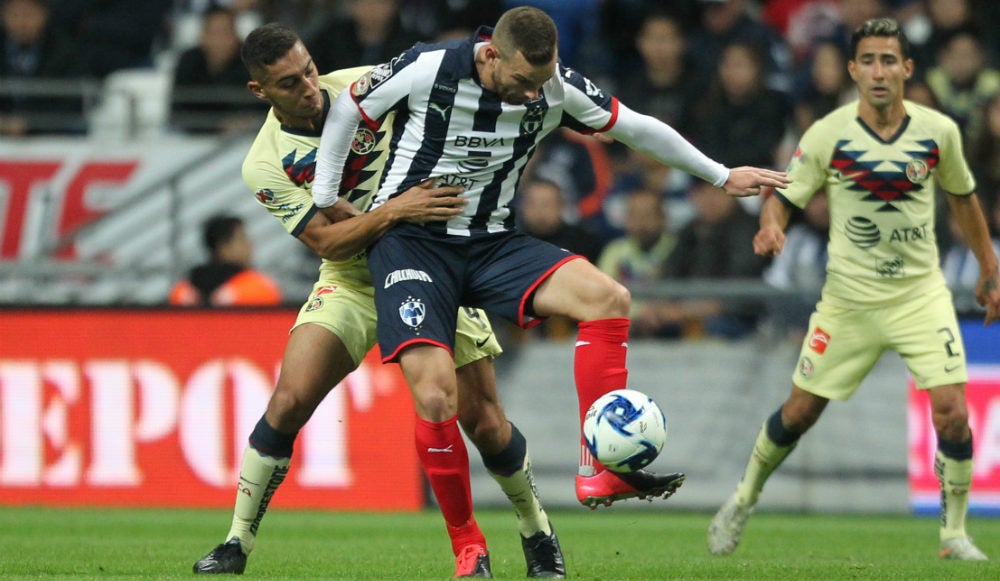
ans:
x=293 y=85
x=517 y=81
x=879 y=70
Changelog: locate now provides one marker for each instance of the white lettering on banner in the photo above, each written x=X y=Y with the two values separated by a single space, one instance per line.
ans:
x=984 y=420
x=139 y=402
x=202 y=437
x=987 y=439
x=66 y=379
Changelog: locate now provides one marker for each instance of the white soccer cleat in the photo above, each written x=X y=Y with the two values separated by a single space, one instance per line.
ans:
x=961 y=549
x=727 y=526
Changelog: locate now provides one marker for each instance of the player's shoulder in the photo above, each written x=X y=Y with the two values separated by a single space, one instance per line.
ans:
x=839 y=117
x=262 y=153
x=339 y=80
x=926 y=115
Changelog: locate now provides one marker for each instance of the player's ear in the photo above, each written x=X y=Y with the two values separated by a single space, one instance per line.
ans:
x=908 y=68
x=256 y=90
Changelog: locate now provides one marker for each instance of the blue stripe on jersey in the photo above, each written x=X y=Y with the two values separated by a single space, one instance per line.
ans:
x=437 y=116
x=524 y=148
x=489 y=110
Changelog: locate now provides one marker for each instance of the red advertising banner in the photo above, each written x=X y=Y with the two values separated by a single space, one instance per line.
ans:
x=983 y=398
x=153 y=408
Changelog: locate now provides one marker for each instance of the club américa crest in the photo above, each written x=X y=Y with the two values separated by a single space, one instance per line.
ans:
x=917 y=171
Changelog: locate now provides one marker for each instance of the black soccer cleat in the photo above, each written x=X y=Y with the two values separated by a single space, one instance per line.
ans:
x=226 y=558
x=543 y=555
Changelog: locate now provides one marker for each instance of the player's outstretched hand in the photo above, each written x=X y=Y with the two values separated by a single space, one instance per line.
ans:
x=748 y=181
x=769 y=241
x=988 y=295
x=426 y=203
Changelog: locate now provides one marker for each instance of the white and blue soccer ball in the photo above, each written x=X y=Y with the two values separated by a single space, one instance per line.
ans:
x=625 y=430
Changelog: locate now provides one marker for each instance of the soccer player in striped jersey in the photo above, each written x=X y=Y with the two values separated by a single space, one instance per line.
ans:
x=335 y=327
x=879 y=159
x=470 y=113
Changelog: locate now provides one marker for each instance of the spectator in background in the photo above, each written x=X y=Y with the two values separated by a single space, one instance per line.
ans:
x=663 y=87
x=984 y=148
x=943 y=18
x=209 y=90
x=542 y=214
x=371 y=33
x=441 y=19
x=724 y=22
x=740 y=121
x=638 y=258
x=114 y=34
x=825 y=86
x=713 y=245
x=226 y=280
x=962 y=79
x=31 y=50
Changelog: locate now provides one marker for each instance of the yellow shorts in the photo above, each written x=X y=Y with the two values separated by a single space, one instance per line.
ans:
x=842 y=345
x=346 y=308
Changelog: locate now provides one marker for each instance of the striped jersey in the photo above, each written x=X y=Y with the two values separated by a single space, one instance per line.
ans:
x=882 y=246
x=448 y=127
x=281 y=164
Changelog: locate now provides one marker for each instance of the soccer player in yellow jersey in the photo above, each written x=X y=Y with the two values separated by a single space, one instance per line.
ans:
x=336 y=325
x=879 y=160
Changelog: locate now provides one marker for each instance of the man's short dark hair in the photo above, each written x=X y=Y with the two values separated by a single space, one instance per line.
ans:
x=883 y=27
x=528 y=30
x=266 y=44
x=218 y=230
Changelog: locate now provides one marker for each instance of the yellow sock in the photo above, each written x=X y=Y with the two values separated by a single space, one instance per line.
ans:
x=764 y=459
x=955 y=477
x=260 y=476
x=520 y=490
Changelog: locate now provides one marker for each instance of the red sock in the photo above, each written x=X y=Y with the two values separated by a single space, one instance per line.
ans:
x=599 y=366
x=445 y=461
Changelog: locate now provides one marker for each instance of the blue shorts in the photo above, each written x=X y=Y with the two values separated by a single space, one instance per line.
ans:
x=421 y=278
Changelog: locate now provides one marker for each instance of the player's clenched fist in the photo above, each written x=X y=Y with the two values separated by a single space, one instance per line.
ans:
x=769 y=241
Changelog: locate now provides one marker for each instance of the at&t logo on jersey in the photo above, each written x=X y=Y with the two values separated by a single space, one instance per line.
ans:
x=412 y=313
x=819 y=340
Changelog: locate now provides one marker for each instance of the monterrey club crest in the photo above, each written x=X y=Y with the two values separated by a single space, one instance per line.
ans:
x=532 y=121
x=412 y=313
x=917 y=171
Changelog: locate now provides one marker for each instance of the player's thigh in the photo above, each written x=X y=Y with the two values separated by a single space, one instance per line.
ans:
x=580 y=291
x=315 y=361
x=925 y=333
x=506 y=273
x=347 y=311
x=474 y=337
x=839 y=350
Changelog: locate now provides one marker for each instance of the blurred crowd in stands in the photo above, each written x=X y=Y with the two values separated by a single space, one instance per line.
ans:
x=742 y=79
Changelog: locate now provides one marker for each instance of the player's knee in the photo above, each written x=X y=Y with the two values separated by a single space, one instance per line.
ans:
x=485 y=425
x=288 y=412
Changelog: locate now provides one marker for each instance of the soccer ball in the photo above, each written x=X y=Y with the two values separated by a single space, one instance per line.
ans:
x=625 y=430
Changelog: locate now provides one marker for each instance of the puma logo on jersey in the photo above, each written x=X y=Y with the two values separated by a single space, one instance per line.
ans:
x=439 y=109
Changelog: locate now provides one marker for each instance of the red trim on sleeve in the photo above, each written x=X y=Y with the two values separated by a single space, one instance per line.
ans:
x=368 y=120
x=614 y=116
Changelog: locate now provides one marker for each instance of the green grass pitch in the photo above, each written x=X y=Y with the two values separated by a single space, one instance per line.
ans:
x=608 y=544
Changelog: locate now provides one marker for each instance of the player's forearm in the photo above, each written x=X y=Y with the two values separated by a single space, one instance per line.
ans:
x=971 y=221
x=775 y=213
x=344 y=239
x=334 y=146
x=663 y=143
